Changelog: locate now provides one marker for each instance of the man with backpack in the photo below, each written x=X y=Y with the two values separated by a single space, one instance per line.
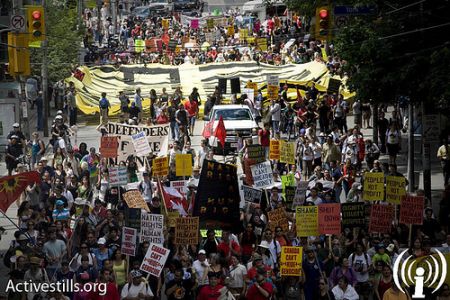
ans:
x=104 y=109
x=360 y=262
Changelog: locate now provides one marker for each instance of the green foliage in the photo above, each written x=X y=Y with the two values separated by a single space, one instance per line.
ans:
x=64 y=40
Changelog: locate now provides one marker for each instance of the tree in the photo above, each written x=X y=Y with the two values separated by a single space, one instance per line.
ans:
x=64 y=38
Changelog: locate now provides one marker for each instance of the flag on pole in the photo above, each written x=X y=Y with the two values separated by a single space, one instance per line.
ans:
x=208 y=129
x=12 y=186
x=220 y=133
x=172 y=199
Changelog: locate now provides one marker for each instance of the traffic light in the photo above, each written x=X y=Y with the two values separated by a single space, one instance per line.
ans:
x=18 y=54
x=36 y=23
x=323 y=23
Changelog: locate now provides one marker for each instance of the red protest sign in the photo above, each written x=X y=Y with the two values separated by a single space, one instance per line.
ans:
x=381 y=217
x=109 y=146
x=330 y=218
x=411 y=210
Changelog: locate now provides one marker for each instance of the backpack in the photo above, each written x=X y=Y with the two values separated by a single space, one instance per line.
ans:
x=103 y=103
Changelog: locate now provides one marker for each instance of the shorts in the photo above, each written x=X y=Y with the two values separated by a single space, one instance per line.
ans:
x=192 y=121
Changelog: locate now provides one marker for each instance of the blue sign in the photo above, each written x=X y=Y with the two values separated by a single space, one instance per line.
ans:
x=354 y=10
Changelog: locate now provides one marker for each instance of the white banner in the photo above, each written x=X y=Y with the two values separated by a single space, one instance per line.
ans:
x=152 y=228
x=262 y=175
x=154 y=260
x=118 y=176
x=141 y=145
x=273 y=80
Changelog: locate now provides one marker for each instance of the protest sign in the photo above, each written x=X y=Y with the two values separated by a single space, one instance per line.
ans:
x=217 y=199
x=210 y=23
x=395 y=189
x=278 y=218
x=129 y=241
x=353 y=215
x=180 y=186
x=118 y=176
x=165 y=23
x=204 y=233
x=381 y=217
x=154 y=260
x=152 y=228
x=194 y=23
x=287 y=180
x=183 y=164
x=274 y=150
x=160 y=166
x=262 y=43
x=140 y=143
x=108 y=146
x=243 y=34
x=289 y=194
x=252 y=195
x=287 y=152
x=373 y=186
x=300 y=193
x=272 y=92
x=133 y=218
x=157 y=137
x=134 y=199
x=187 y=231
x=230 y=30
x=254 y=86
x=291 y=261
x=262 y=175
x=256 y=154
x=330 y=218
x=306 y=219
x=411 y=210
x=172 y=218
x=273 y=80
x=248 y=180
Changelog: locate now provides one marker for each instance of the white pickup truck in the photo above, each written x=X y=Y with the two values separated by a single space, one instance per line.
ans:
x=238 y=120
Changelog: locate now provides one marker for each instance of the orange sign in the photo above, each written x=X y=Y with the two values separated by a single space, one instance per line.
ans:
x=109 y=146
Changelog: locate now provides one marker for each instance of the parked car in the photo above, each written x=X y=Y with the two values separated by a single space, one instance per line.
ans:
x=154 y=8
x=186 y=5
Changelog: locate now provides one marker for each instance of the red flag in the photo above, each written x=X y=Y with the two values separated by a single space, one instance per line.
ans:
x=207 y=130
x=173 y=199
x=220 y=132
x=12 y=186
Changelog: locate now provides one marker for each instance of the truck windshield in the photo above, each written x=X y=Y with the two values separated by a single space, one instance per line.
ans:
x=232 y=114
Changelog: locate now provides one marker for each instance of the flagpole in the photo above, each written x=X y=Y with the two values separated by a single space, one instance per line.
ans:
x=162 y=195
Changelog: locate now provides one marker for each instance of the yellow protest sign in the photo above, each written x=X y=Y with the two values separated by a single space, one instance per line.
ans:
x=262 y=44
x=395 y=189
x=373 y=189
x=210 y=23
x=307 y=220
x=274 y=150
x=287 y=152
x=254 y=86
x=160 y=166
x=291 y=261
x=243 y=34
x=165 y=23
x=183 y=165
x=230 y=30
x=139 y=46
x=272 y=92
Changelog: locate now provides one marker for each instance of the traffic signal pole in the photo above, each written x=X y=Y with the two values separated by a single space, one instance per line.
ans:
x=44 y=75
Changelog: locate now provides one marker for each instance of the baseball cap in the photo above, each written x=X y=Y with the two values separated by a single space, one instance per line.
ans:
x=14 y=137
x=101 y=241
x=202 y=252
x=59 y=202
x=135 y=274
x=16 y=125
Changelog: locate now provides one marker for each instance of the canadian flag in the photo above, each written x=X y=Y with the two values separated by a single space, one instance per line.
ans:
x=173 y=199
x=208 y=129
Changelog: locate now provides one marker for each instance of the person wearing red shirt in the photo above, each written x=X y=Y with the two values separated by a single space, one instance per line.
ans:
x=192 y=108
x=261 y=289
x=264 y=138
x=228 y=247
x=257 y=264
x=212 y=290
x=111 y=292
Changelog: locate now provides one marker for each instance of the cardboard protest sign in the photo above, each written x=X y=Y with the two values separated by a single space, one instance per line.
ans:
x=160 y=166
x=152 y=228
x=180 y=186
x=278 y=218
x=134 y=199
x=300 y=193
x=133 y=218
x=306 y=219
x=118 y=176
x=330 y=218
x=129 y=241
x=154 y=260
x=353 y=214
x=262 y=175
x=217 y=199
x=141 y=145
x=274 y=150
x=272 y=92
x=291 y=261
x=411 y=210
x=187 y=231
x=381 y=217
x=183 y=164
x=109 y=146
x=373 y=189
x=395 y=189
x=287 y=152
x=256 y=153
x=252 y=195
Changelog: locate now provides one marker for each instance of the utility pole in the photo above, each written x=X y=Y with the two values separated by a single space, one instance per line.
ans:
x=410 y=147
x=44 y=74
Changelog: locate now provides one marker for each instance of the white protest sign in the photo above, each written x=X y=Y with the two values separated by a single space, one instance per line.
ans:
x=180 y=186
x=251 y=194
x=152 y=228
x=154 y=260
x=300 y=193
x=273 y=80
x=141 y=145
x=262 y=175
x=129 y=241
x=118 y=176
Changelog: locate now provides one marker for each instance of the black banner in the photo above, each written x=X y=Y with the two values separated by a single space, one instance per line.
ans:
x=256 y=153
x=353 y=215
x=217 y=199
x=251 y=194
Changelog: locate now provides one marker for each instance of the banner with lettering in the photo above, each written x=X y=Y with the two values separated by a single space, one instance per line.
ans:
x=353 y=215
x=306 y=219
x=129 y=241
x=373 y=189
x=291 y=261
x=262 y=175
x=108 y=146
x=154 y=260
x=252 y=195
x=152 y=228
x=134 y=199
x=274 y=150
x=287 y=152
x=118 y=176
x=330 y=218
x=183 y=164
x=160 y=166
x=381 y=217
x=278 y=218
x=395 y=189
x=411 y=210
x=256 y=154
x=187 y=231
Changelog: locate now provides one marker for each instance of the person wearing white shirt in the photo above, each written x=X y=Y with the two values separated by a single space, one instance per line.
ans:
x=238 y=272
x=274 y=245
x=137 y=289
x=344 y=291
x=201 y=268
x=275 y=111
